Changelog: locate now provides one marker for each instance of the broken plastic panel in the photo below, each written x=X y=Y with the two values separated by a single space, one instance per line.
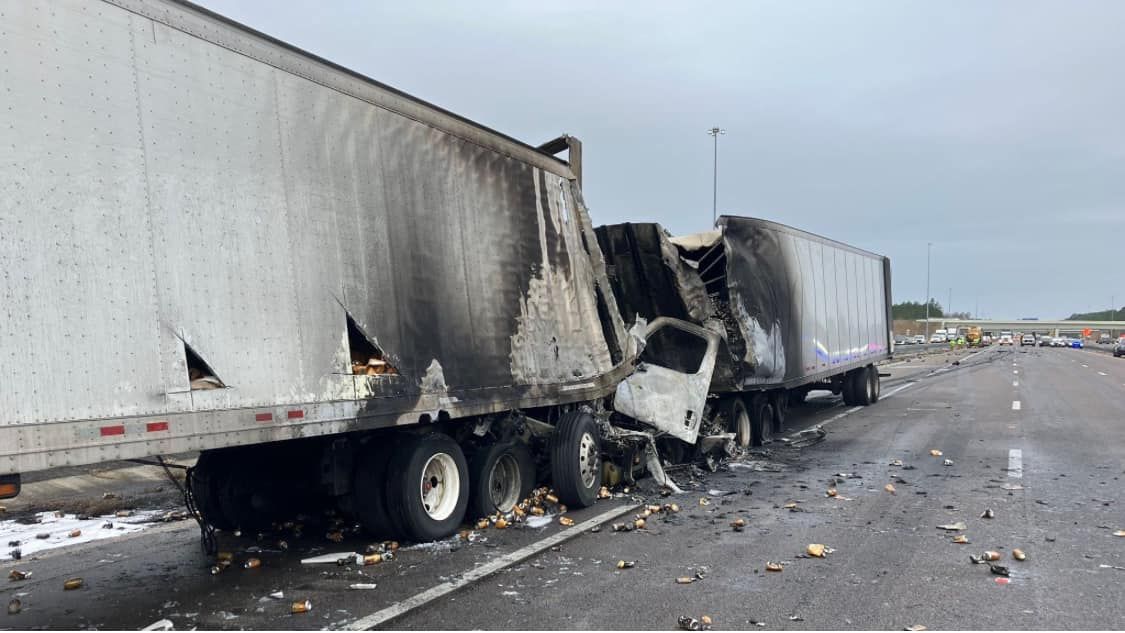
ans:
x=367 y=358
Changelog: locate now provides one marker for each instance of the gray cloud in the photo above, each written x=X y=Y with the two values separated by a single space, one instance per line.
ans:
x=993 y=129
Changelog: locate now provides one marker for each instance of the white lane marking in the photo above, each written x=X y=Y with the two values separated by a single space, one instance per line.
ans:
x=1015 y=405
x=482 y=571
x=1015 y=371
x=845 y=413
x=1015 y=463
x=1102 y=373
x=1015 y=383
x=896 y=390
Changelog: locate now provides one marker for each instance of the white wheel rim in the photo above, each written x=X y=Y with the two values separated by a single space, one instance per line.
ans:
x=742 y=428
x=504 y=483
x=588 y=459
x=440 y=486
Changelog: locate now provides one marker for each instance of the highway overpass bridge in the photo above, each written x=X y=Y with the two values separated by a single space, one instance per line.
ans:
x=1054 y=328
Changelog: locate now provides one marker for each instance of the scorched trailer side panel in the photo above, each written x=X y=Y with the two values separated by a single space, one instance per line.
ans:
x=184 y=192
x=795 y=307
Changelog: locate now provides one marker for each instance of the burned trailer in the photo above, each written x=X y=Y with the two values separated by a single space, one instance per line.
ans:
x=342 y=295
x=794 y=311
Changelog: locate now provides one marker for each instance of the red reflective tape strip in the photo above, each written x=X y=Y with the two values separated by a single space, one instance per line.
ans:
x=156 y=426
x=263 y=417
x=113 y=430
x=295 y=415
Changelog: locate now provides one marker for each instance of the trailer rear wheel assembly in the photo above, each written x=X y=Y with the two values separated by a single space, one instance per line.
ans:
x=576 y=459
x=873 y=381
x=428 y=487
x=242 y=498
x=761 y=419
x=779 y=400
x=500 y=475
x=738 y=422
x=204 y=481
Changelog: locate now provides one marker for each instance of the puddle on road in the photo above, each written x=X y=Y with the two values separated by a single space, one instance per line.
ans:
x=59 y=529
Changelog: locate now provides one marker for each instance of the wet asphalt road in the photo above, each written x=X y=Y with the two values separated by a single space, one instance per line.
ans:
x=891 y=567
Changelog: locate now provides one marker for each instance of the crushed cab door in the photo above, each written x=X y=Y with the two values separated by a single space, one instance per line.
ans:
x=668 y=389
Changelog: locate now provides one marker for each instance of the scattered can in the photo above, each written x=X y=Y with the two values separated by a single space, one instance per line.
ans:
x=685 y=580
x=252 y=563
x=990 y=555
x=738 y=524
x=626 y=564
x=501 y=523
x=688 y=623
x=831 y=492
x=889 y=488
x=74 y=534
x=372 y=559
x=815 y=550
x=1018 y=554
x=961 y=539
x=551 y=498
x=566 y=521
x=17 y=574
x=537 y=511
x=482 y=524
x=71 y=584
x=301 y=606
x=224 y=556
x=639 y=524
x=935 y=452
x=772 y=566
x=15 y=606
x=987 y=514
x=706 y=620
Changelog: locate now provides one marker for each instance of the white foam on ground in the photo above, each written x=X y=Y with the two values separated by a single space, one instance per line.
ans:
x=59 y=529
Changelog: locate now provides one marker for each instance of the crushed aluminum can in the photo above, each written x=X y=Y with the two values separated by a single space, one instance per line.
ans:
x=626 y=564
x=772 y=566
x=252 y=563
x=277 y=595
x=71 y=584
x=672 y=507
x=639 y=524
x=948 y=462
x=987 y=514
x=551 y=498
x=961 y=539
x=283 y=545
x=889 y=488
x=895 y=462
x=685 y=580
x=792 y=505
x=500 y=524
x=916 y=627
x=990 y=555
x=300 y=606
x=999 y=570
x=688 y=623
x=706 y=620
x=738 y=524
x=121 y=514
x=653 y=509
x=375 y=559
x=953 y=527
x=1119 y=533
x=17 y=574
x=216 y=570
x=935 y=452
x=595 y=529
x=1019 y=554
x=567 y=521
x=537 y=511
x=646 y=513
x=831 y=492
x=604 y=493
x=74 y=534
x=482 y=524
x=704 y=501
x=816 y=550
x=622 y=527
x=464 y=535
x=15 y=606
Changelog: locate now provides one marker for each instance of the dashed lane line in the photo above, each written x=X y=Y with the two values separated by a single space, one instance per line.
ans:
x=1015 y=463
x=1015 y=405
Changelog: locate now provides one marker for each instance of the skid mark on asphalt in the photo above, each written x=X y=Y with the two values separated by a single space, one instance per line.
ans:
x=1015 y=463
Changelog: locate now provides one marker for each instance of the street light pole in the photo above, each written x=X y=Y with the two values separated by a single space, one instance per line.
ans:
x=715 y=132
x=928 y=245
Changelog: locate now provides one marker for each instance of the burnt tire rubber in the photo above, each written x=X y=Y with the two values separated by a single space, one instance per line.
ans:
x=500 y=476
x=761 y=419
x=205 y=477
x=738 y=421
x=368 y=497
x=779 y=400
x=576 y=473
x=428 y=487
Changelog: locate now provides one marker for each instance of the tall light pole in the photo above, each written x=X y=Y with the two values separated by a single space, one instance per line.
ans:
x=715 y=132
x=928 y=245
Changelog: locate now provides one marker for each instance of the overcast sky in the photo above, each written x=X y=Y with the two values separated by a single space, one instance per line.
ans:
x=995 y=130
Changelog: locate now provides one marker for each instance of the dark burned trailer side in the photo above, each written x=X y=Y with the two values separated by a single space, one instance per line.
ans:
x=214 y=241
x=795 y=311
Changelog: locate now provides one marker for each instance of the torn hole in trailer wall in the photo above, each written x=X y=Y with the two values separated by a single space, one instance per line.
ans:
x=366 y=357
x=200 y=375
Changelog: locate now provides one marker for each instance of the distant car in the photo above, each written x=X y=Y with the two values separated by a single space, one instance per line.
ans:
x=1119 y=348
x=900 y=340
x=1059 y=341
x=1006 y=339
x=1076 y=343
x=1104 y=339
x=919 y=339
x=986 y=340
x=1027 y=339
x=937 y=338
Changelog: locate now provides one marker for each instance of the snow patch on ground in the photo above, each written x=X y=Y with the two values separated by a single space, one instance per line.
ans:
x=59 y=529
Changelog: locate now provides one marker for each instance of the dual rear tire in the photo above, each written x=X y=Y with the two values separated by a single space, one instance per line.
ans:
x=861 y=386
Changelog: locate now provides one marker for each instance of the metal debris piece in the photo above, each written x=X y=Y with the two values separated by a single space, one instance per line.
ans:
x=161 y=625
x=71 y=584
x=301 y=606
x=639 y=524
x=566 y=521
x=948 y=462
x=704 y=501
x=626 y=564
x=685 y=580
x=895 y=462
x=688 y=623
x=961 y=539
x=987 y=514
x=362 y=585
x=277 y=595
x=604 y=493
x=482 y=524
x=502 y=523
x=999 y=570
x=706 y=620
x=1011 y=486
x=772 y=566
x=17 y=574
x=738 y=524
x=935 y=452
x=796 y=618
x=952 y=527
x=791 y=505
x=815 y=550
x=1018 y=554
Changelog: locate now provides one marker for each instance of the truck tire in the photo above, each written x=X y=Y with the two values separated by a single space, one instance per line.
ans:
x=863 y=386
x=576 y=459
x=779 y=401
x=873 y=373
x=761 y=419
x=368 y=497
x=242 y=498
x=854 y=386
x=738 y=422
x=428 y=487
x=500 y=476
x=205 y=477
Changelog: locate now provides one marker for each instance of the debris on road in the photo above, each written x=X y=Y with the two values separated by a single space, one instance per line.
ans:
x=935 y=452
x=566 y=521
x=987 y=514
x=16 y=574
x=277 y=595
x=817 y=550
x=771 y=566
x=71 y=584
x=738 y=524
x=626 y=564
x=322 y=559
x=74 y=534
x=301 y=606
x=961 y=539
x=889 y=488
x=15 y=606
x=896 y=462
x=1011 y=487
x=999 y=570
x=161 y=625
x=706 y=620
x=362 y=585
x=953 y=527
x=688 y=623
x=685 y=580
x=948 y=462
x=831 y=492
x=252 y=563
x=916 y=627
x=1119 y=533
x=1003 y=580
x=991 y=555
x=604 y=493
x=1018 y=554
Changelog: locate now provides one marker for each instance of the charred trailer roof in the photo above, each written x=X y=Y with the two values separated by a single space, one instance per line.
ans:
x=794 y=306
